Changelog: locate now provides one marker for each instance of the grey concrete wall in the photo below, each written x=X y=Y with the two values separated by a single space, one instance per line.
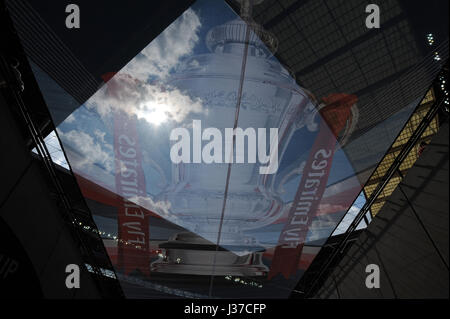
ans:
x=408 y=239
x=29 y=209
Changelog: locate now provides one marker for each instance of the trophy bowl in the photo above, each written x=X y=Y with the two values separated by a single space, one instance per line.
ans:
x=217 y=203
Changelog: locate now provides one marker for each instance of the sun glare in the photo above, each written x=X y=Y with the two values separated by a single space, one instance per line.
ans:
x=155 y=116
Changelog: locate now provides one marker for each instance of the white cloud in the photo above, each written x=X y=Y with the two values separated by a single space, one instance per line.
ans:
x=101 y=138
x=129 y=91
x=89 y=152
x=100 y=135
x=164 y=53
x=353 y=211
x=347 y=220
x=152 y=103
x=70 y=119
x=161 y=208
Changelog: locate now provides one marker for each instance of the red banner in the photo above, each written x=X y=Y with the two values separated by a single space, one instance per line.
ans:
x=133 y=228
x=312 y=185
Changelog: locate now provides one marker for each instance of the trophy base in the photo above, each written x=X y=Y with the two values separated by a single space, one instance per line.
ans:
x=190 y=254
x=200 y=270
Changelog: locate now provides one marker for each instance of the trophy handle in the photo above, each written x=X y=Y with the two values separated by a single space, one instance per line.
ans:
x=309 y=111
x=152 y=163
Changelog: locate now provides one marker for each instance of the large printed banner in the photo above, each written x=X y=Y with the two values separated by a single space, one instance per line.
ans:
x=133 y=228
x=312 y=185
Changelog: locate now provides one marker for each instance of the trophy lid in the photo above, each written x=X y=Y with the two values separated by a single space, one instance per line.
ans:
x=232 y=34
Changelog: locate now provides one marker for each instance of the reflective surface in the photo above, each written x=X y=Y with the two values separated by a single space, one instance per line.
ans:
x=210 y=226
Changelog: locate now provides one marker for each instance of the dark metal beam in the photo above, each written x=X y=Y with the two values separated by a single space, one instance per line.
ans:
x=387 y=176
x=350 y=45
x=278 y=18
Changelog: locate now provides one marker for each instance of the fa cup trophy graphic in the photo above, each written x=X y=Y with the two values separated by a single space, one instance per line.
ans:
x=250 y=94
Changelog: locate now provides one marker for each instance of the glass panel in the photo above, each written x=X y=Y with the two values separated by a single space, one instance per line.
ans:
x=55 y=150
x=186 y=207
x=350 y=216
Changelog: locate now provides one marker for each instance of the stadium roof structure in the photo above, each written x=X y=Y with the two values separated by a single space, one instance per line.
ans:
x=399 y=143
x=328 y=48
x=323 y=50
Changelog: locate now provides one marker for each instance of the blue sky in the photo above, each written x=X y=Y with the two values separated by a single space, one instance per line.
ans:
x=87 y=135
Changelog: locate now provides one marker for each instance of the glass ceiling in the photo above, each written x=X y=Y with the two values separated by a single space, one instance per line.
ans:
x=187 y=207
x=55 y=150
x=412 y=157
